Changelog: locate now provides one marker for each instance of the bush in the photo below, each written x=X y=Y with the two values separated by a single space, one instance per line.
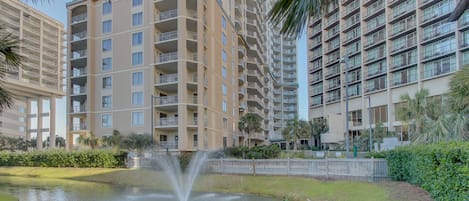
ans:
x=257 y=152
x=61 y=158
x=441 y=169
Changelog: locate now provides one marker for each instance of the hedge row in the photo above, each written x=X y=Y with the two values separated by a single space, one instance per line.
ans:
x=257 y=152
x=61 y=158
x=441 y=169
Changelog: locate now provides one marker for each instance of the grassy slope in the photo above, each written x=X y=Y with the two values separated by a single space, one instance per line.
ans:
x=6 y=197
x=293 y=187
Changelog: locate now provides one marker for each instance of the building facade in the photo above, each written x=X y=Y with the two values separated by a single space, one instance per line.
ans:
x=281 y=59
x=39 y=80
x=391 y=48
x=184 y=71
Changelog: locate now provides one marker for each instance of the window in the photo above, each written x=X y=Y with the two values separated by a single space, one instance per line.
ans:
x=137 y=39
x=405 y=76
x=225 y=123
x=107 y=7
x=107 y=82
x=107 y=101
x=136 y=3
x=137 y=78
x=223 y=72
x=107 y=64
x=224 y=90
x=137 y=118
x=439 y=67
x=223 y=38
x=107 y=45
x=106 y=120
x=355 y=117
x=439 y=47
x=224 y=106
x=379 y=114
x=223 y=22
x=376 y=84
x=107 y=26
x=223 y=56
x=137 y=19
x=137 y=58
x=137 y=98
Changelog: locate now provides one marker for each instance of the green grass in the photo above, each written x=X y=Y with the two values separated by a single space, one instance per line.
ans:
x=6 y=197
x=295 y=188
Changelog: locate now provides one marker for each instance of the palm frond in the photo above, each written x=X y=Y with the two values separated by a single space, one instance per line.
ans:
x=294 y=15
x=6 y=99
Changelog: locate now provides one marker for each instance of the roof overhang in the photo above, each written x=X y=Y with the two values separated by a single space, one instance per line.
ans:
x=459 y=10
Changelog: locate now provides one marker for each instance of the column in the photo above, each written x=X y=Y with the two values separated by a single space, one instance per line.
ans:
x=39 y=124
x=28 y=119
x=52 y=122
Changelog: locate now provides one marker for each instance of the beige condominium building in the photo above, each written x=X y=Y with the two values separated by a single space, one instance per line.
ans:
x=281 y=59
x=393 y=48
x=38 y=82
x=183 y=71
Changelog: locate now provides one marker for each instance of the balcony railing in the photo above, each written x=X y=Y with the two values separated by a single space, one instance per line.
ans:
x=78 y=90
x=166 y=100
x=79 y=127
x=78 y=109
x=169 y=121
x=78 y=36
x=167 y=15
x=168 y=78
x=167 y=36
x=167 y=57
x=169 y=144
x=78 y=72
x=79 y=18
x=78 y=54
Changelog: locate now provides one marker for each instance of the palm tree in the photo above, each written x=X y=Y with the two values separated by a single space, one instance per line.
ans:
x=318 y=127
x=115 y=140
x=10 y=61
x=88 y=140
x=138 y=142
x=459 y=91
x=415 y=110
x=295 y=14
x=295 y=130
x=249 y=122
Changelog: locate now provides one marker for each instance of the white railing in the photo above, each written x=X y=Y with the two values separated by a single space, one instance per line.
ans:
x=79 y=18
x=165 y=100
x=167 y=15
x=167 y=36
x=168 y=57
x=168 y=78
x=170 y=121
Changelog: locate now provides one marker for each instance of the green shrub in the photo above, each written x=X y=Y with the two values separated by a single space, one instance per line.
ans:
x=441 y=169
x=257 y=152
x=61 y=158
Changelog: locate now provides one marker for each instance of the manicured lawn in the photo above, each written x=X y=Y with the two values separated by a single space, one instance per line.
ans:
x=6 y=197
x=295 y=188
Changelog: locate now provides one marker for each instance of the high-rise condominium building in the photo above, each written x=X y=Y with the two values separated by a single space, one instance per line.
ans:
x=38 y=82
x=184 y=71
x=392 y=48
x=281 y=58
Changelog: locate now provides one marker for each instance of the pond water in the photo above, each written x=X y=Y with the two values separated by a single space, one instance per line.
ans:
x=33 y=189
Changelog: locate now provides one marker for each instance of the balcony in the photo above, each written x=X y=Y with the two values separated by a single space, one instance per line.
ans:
x=167 y=57
x=166 y=15
x=78 y=54
x=167 y=122
x=168 y=78
x=167 y=36
x=169 y=144
x=79 y=18
x=77 y=72
x=166 y=100
x=78 y=109
x=79 y=127
x=78 y=36
x=78 y=91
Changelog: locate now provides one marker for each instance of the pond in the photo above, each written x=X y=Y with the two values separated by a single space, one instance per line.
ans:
x=34 y=189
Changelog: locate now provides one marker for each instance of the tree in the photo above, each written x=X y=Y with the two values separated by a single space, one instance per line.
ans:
x=249 y=122
x=318 y=127
x=415 y=110
x=10 y=61
x=88 y=140
x=115 y=141
x=293 y=16
x=294 y=130
x=459 y=91
x=138 y=142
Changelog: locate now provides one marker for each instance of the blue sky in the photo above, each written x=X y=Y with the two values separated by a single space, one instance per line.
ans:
x=56 y=9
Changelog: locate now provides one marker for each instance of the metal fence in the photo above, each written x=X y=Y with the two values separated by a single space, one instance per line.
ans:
x=344 y=169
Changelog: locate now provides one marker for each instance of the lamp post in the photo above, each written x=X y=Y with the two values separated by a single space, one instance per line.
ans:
x=152 y=104
x=345 y=60
x=369 y=121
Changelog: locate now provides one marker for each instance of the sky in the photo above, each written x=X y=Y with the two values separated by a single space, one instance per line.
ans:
x=56 y=9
